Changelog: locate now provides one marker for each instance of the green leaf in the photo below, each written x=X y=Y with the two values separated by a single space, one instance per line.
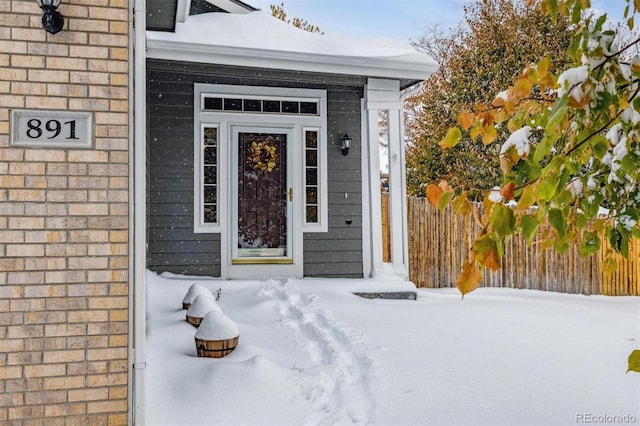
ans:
x=576 y=13
x=454 y=135
x=600 y=146
x=543 y=149
x=558 y=113
x=590 y=244
x=547 y=188
x=630 y=163
x=600 y=22
x=581 y=221
x=574 y=47
x=558 y=221
x=591 y=208
x=561 y=245
x=529 y=225
x=619 y=240
x=634 y=361
x=502 y=220
x=553 y=9
x=444 y=200
x=564 y=198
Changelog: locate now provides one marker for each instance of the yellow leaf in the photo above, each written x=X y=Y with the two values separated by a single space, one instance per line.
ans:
x=486 y=252
x=461 y=204
x=584 y=101
x=466 y=119
x=475 y=131
x=434 y=192
x=623 y=103
x=610 y=265
x=508 y=159
x=543 y=65
x=469 y=279
x=527 y=199
x=520 y=90
x=489 y=135
x=500 y=115
x=452 y=138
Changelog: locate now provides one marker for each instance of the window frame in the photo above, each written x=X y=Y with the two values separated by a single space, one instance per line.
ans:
x=200 y=225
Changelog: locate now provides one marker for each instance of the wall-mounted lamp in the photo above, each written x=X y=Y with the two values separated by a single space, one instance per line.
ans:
x=52 y=20
x=345 y=144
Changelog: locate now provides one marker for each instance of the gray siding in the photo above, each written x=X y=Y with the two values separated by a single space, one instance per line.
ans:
x=172 y=244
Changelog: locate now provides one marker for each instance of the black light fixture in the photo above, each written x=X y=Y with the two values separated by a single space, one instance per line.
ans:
x=52 y=20
x=345 y=144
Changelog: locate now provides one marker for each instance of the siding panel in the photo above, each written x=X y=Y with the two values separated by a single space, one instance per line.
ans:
x=173 y=246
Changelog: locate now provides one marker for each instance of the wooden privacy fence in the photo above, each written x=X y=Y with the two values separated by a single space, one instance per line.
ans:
x=439 y=243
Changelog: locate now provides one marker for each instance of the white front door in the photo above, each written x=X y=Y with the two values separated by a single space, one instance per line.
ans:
x=263 y=230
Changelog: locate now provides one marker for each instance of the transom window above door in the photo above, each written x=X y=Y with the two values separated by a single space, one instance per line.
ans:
x=253 y=104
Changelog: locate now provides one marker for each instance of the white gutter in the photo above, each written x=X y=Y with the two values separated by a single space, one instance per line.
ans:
x=138 y=187
x=375 y=66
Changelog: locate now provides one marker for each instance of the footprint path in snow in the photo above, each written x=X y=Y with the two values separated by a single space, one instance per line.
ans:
x=339 y=376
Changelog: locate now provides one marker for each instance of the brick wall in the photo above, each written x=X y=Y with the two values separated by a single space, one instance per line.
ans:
x=64 y=220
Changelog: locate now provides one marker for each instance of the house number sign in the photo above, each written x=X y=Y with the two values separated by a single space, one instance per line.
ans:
x=51 y=129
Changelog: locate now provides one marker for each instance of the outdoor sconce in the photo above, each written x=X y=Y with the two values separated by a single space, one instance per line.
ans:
x=52 y=20
x=345 y=144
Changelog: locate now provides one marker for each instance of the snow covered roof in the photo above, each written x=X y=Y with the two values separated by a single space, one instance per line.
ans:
x=257 y=39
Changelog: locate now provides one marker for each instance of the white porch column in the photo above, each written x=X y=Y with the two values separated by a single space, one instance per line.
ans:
x=385 y=95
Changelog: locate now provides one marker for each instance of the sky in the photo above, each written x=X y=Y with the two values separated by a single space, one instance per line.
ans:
x=399 y=19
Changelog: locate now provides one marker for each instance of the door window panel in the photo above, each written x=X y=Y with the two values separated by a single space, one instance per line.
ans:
x=262 y=195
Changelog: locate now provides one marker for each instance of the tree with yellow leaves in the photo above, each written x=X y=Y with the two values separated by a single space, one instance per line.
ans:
x=572 y=157
x=497 y=39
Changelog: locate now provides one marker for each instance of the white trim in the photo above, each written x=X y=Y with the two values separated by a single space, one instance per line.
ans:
x=375 y=206
x=228 y=124
x=323 y=192
x=367 y=267
x=383 y=67
x=397 y=216
x=292 y=217
x=199 y=225
x=294 y=220
x=385 y=95
x=182 y=10
x=138 y=232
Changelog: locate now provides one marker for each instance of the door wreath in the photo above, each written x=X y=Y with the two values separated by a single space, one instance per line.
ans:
x=262 y=156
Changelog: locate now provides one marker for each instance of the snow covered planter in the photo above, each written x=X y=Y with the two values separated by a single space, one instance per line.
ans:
x=217 y=335
x=194 y=291
x=200 y=307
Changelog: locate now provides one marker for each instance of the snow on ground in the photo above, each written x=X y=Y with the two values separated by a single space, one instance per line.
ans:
x=312 y=353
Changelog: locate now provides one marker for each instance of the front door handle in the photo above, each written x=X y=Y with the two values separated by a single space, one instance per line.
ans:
x=290 y=194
